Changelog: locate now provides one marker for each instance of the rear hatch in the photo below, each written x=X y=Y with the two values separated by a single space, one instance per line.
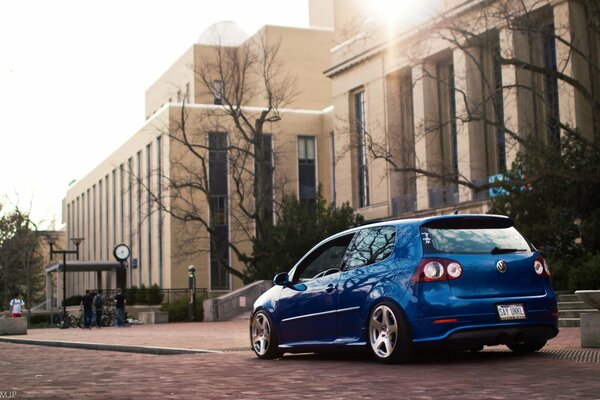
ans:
x=496 y=260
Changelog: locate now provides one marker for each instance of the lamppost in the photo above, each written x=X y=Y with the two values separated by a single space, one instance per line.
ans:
x=192 y=286
x=76 y=242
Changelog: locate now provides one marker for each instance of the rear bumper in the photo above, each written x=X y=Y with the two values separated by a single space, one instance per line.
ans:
x=492 y=336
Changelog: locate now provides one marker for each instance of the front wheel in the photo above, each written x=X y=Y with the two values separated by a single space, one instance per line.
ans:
x=389 y=337
x=527 y=347
x=263 y=337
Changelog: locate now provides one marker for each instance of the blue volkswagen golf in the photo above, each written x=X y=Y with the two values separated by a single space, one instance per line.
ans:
x=460 y=281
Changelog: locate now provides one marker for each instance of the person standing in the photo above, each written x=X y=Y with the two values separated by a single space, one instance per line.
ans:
x=16 y=306
x=98 y=308
x=86 y=302
x=120 y=303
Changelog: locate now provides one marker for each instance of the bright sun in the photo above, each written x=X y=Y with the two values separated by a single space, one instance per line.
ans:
x=408 y=11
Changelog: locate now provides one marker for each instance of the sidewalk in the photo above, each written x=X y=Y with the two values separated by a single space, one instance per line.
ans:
x=188 y=338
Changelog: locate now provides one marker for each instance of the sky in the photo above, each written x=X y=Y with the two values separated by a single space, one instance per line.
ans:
x=73 y=74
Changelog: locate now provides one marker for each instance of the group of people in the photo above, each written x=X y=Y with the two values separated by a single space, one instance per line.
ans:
x=93 y=307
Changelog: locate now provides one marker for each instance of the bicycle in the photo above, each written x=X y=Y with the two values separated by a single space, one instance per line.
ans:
x=66 y=320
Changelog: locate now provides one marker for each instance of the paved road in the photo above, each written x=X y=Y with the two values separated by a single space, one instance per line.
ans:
x=39 y=372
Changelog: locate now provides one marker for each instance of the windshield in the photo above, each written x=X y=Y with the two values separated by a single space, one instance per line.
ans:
x=473 y=240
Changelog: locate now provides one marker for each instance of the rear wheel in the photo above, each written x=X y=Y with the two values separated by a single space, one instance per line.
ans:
x=263 y=336
x=389 y=337
x=527 y=347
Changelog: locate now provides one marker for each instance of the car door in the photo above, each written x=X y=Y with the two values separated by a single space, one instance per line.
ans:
x=307 y=307
x=366 y=265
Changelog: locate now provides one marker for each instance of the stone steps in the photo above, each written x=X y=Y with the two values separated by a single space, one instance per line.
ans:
x=570 y=309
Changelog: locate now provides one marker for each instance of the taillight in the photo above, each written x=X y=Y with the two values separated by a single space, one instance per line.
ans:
x=436 y=269
x=540 y=266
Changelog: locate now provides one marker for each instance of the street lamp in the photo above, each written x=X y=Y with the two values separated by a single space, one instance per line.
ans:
x=76 y=242
x=192 y=286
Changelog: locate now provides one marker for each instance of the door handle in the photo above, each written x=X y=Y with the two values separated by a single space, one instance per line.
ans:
x=329 y=288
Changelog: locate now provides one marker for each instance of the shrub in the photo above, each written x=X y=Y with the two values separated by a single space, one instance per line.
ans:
x=74 y=300
x=130 y=295
x=42 y=320
x=154 y=295
x=140 y=295
x=584 y=273
x=178 y=309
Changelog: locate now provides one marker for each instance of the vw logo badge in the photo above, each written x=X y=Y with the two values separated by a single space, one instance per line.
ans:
x=501 y=266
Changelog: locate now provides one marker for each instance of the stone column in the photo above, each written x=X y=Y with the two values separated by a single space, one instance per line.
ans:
x=570 y=25
x=425 y=105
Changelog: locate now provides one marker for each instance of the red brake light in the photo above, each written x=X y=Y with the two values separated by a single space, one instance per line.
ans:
x=436 y=269
x=540 y=266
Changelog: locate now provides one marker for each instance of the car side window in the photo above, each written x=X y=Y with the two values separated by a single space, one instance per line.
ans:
x=370 y=246
x=325 y=260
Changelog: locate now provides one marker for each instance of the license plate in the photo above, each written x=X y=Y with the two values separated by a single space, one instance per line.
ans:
x=511 y=311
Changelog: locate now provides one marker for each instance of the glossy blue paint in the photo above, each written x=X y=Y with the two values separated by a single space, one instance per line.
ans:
x=312 y=314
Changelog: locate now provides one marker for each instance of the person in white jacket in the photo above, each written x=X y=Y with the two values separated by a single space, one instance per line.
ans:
x=16 y=306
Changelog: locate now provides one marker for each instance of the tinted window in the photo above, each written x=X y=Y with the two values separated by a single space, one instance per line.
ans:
x=370 y=245
x=328 y=257
x=472 y=240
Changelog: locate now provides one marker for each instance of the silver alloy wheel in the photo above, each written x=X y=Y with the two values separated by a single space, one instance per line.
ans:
x=383 y=331
x=261 y=334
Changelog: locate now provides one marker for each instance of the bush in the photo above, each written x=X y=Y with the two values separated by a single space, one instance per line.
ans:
x=74 y=300
x=42 y=320
x=154 y=295
x=584 y=273
x=130 y=295
x=178 y=309
x=140 y=295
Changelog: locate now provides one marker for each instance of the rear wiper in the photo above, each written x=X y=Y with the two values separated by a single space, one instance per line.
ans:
x=498 y=250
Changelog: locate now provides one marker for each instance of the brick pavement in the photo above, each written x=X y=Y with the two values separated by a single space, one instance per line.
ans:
x=228 y=335
x=40 y=372
x=37 y=372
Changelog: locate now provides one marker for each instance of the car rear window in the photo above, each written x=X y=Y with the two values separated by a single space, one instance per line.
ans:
x=489 y=236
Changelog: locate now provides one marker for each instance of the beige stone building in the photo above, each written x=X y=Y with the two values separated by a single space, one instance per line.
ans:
x=451 y=95
x=379 y=102
x=111 y=204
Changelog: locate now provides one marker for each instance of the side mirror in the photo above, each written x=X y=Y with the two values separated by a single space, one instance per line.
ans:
x=281 y=279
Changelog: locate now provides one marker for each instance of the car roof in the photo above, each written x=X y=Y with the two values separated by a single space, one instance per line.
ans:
x=426 y=220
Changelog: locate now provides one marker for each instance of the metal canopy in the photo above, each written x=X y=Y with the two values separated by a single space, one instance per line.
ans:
x=83 y=266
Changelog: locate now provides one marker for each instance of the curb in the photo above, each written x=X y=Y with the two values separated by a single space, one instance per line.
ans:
x=110 y=347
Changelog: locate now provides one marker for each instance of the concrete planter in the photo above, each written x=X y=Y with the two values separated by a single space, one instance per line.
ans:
x=154 y=317
x=590 y=322
x=13 y=326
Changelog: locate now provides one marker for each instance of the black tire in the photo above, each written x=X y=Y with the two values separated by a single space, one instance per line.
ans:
x=388 y=336
x=74 y=322
x=105 y=320
x=527 y=347
x=263 y=337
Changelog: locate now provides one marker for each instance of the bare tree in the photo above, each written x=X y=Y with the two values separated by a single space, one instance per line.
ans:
x=517 y=60
x=220 y=187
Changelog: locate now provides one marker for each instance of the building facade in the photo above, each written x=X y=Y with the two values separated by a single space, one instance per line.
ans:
x=397 y=119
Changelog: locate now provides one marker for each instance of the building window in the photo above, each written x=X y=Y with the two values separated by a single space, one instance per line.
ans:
x=217 y=157
x=139 y=215
x=217 y=90
x=307 y=182
x=360 y=120
x=159 y=216
x=107 y=221
x=130 y=213
x=149 y=209
x=498 y=99
x=550 y=85
x=267 y=170
x=100 y=218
